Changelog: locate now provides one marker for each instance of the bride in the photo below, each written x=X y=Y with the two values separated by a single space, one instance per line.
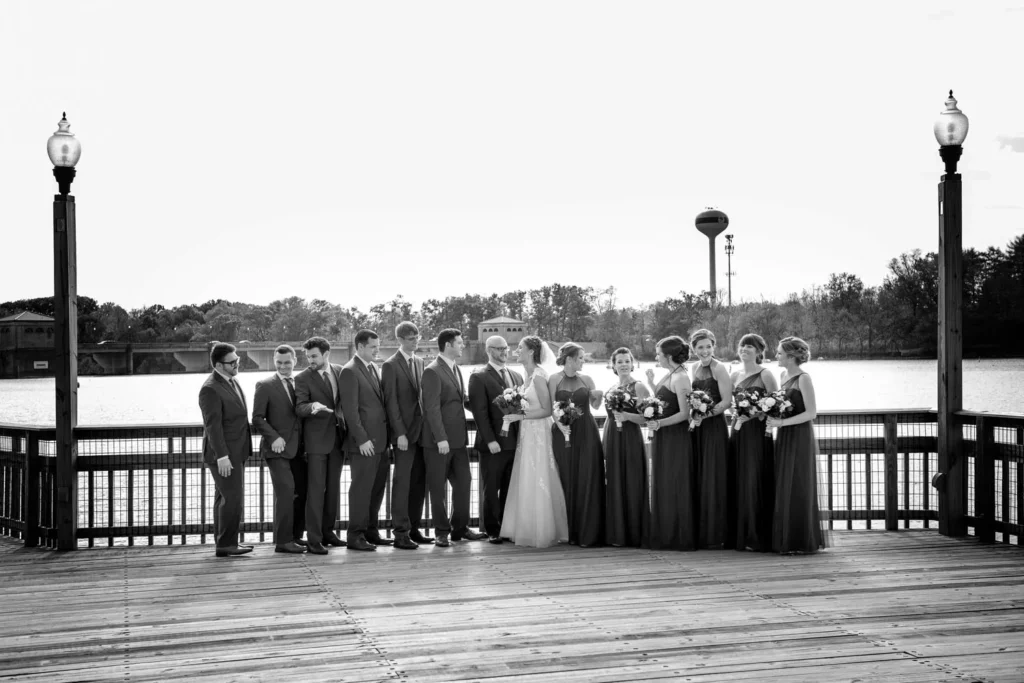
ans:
x=535 y=511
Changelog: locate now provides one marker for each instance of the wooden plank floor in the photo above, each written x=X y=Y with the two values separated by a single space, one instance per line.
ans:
x=903 y=606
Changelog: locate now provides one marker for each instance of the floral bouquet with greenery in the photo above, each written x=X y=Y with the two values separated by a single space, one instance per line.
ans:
x=512 y=401
x=775 y=404
x=701 y=405
x=618 y=400
x=565 y=413
x=651 y=408
x=745 y=402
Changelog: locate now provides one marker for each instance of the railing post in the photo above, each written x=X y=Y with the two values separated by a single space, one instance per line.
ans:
x=984 y=482
x=30 y=497
x=892 y=492
x=65 y=323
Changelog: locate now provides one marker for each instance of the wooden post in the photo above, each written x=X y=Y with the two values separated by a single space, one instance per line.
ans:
x=31 y=493
x=984 y=482
x=892 y=492
x=951 y=458
x=65 y=315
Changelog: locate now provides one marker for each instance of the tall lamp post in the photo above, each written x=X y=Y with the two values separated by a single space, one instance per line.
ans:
x=950 y=132
x=712 y=223
x=64 y=151
x=729 y=251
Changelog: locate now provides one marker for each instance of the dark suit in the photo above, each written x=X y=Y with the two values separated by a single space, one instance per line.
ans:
x=323 y=435
x=402 y=381
x=485 y=385
x=362 y=400
x=273 y=416
x=225 y=433
x=444 y=406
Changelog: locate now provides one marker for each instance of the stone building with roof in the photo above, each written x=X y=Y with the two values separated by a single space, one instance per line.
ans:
x=511 y=329
x=26 y=346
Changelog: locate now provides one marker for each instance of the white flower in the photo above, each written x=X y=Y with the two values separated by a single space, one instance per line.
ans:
x=769 y=402
x=744 y=404
x=649 y=412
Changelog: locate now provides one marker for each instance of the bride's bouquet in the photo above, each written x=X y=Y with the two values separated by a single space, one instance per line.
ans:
x=511 y=401
x=565 y=413
x=621 y=401
x=701 y=404
x=775 y=404
x=745 y=402
x=651 y=408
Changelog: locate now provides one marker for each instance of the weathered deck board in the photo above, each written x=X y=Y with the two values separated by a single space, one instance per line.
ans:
x=907 y=606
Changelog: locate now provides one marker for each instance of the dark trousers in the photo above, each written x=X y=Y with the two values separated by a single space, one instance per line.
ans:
x=323 y=494
x=495 y=477
x=366 y=492
x=228 y=503
x=452 y=467
x=289 y=478
x=408 y=489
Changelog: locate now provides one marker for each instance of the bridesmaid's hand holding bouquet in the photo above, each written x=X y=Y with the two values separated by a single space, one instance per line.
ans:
x=701 y=405
x=565 y=413
x=651 y=408
x=745 y=405
x=618 y=400
x=776 y=407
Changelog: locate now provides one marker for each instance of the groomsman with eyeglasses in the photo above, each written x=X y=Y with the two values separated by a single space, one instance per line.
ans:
x=401 y=375
x=227 y=444
x=318 y=403
x=273 y=416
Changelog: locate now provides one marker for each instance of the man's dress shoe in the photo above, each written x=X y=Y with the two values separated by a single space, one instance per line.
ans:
x=334 y=541
x=469 y=535
x=231 y=552
x=442 y=541
x=361 y=544
x=496 y=540
x=316 y=548
x=299 y=541
x=377 y=540
x=417 y=537
x=289 y=548
x=405 y=543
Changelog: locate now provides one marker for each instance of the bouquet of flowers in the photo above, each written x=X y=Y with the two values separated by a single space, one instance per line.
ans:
x=745 y=402
x=511 y=401
x=565 y=413
x=701 y=404
x=652 y=409
x=775 y=404
x=619 y=400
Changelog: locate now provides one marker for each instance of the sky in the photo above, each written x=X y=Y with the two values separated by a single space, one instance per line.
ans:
x=358 y=151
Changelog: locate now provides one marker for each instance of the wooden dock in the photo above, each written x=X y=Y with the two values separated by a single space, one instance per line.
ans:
x=879 y=606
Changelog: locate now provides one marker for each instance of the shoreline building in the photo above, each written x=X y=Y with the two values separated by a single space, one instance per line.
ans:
x=26 y=346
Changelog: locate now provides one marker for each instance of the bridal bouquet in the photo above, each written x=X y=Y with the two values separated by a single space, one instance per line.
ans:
x=565 y=413
x=701 y=404
x=511 y=401
x=745 y=402
x=775 y=405
x=621 y=401
x=652 y=409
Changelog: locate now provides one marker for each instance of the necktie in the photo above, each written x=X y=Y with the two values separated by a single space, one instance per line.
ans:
x=291 y=388
x=238 y=390
x=458 y=377
x=416 y=372
x=373 y=371
x=508 y=378
x=327 y=383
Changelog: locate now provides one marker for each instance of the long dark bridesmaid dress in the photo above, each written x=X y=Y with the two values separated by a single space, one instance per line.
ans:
x=753 y=458
x=711 y=439
x=796 y=526
x=673 y=483
x=581 y=466
x=626 y=490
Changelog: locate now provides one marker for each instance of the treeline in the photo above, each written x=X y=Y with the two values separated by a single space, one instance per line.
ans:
x=842 y=318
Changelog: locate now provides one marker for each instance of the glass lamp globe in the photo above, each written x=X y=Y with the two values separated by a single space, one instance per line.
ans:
x=62 y=147
x=951 y=126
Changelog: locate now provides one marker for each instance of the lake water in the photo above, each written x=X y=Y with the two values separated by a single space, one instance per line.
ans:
x=995 y=386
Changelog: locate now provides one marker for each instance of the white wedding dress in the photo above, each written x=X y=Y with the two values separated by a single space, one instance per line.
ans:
x=535 y=513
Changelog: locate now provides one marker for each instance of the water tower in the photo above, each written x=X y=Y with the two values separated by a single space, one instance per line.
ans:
x=712 y=223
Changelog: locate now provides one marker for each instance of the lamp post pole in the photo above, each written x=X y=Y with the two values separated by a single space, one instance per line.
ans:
x=729 y=251
x=64 y=151
x=950 y=132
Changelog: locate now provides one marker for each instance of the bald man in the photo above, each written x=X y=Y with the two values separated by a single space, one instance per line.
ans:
x=497 y=452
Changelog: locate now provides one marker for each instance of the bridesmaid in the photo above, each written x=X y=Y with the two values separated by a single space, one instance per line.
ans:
x=626 y=463
x=796 y=526
x=711 y=440
x=673 y=470
x=751 y=454
x=581 y=465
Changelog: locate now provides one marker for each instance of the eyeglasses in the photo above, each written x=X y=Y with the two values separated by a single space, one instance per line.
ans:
x=497 y=348
x=230 y=363
x=415 y=337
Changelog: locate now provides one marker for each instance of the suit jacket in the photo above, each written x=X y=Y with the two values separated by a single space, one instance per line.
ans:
x=402 y=397
x=225 y=422
x=273 y=416
x=485 y=385
x=444 y=406
x=362 y=401
x=325 y=430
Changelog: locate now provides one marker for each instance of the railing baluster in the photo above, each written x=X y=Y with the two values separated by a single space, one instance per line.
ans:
x=891 y=480
x=1004 y=468
x=184 y=503
x=263 y=496
x=110 y=508
x=831 y=497
x=170 y=505
x=984 y=481
x=867 y=485
x=849 y=491
x=926 y=486
x=131 y=507
x=32 y=484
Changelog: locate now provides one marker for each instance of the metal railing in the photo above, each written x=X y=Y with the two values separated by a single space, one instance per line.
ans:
x=148 y=484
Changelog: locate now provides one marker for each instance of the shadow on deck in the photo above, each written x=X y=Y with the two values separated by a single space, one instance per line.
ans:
x=880 y=606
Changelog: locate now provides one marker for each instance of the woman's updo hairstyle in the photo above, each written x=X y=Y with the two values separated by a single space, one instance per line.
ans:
x=532 y=343
x=623 y=351
x=797 y=348
x=568 y=350
x=675 y=349
x=757 y=341
x=702 y=334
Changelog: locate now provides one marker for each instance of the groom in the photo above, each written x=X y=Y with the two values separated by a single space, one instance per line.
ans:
x=497 y=452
